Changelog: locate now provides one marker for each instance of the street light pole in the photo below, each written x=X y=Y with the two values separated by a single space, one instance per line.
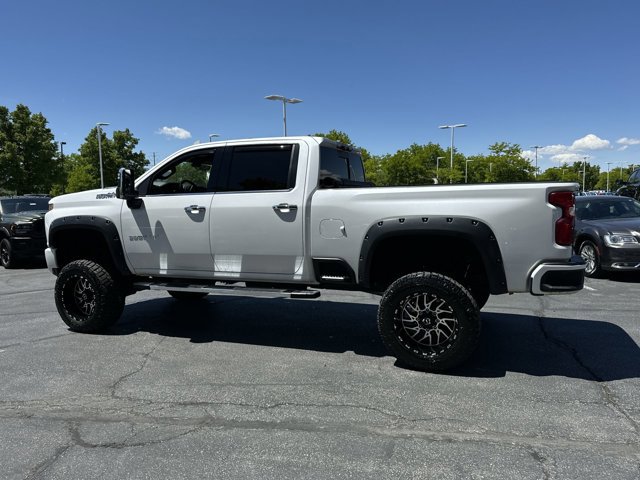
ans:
x=212 y=135
x=284 y=101
x=100 y=124
x=64 y=179
x=536 y=147
x=608 y=163
x=452 y=127
x=438 y=166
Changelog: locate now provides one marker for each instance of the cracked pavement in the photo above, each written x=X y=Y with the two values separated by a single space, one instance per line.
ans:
x=271 y=388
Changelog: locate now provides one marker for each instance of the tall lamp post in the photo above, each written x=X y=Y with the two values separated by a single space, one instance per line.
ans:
x=536 y=147
x=608 y=163
x=64 y=179
x=466 y=163
x=284 y=101
x=453 y=128
x=99 y=125
x=438 y=167
x=213 y=135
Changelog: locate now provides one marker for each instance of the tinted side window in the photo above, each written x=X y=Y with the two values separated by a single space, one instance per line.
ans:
x=262 y=167
x=333 y=168
x=340 y=168
x=356 y=169
x=189 y=174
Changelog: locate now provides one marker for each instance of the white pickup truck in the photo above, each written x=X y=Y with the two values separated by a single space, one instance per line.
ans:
x=295 y=215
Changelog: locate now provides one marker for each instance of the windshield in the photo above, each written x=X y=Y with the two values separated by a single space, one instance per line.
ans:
x=608 y=209
x=16 y=205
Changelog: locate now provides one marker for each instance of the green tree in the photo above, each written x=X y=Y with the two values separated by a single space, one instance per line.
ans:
x=507 y=163
x=563 y=173
x=336 y=136
x=416 y=165
x=579 y=171
x=374 y=169
x=119 y=151
x=29 y=160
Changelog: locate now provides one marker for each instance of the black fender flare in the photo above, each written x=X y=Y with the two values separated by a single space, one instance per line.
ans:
x=103 y=226
x=471 y=229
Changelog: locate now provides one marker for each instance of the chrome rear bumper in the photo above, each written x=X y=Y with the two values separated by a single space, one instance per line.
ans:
x=557 y=278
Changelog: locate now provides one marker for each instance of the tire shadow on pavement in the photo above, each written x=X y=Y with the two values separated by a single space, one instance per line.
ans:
x=302 y=324
x=583 y=349
x=590 y=350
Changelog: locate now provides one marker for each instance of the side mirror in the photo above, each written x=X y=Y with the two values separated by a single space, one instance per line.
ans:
x=126 y=190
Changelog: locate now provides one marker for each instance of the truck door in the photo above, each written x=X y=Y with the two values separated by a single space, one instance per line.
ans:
x=169 y=233
x=257 y=216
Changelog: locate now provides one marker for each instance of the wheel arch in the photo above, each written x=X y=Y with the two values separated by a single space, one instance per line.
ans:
x=88 y=237
x=587 y=235
x=459 y=243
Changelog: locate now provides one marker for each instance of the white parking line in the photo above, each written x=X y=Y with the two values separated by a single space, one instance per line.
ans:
x=590 y=288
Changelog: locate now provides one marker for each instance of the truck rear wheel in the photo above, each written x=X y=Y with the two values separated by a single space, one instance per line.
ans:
x=87 y=297
x=429 y=321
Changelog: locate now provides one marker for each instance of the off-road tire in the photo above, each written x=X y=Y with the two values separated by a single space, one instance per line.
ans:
x=7 y=259
x=190 y=296
x=429 y=321
x=589 y=253
x=88 y=297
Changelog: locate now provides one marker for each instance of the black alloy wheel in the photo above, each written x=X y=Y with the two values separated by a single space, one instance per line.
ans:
x=429 y=321
x=87 y=297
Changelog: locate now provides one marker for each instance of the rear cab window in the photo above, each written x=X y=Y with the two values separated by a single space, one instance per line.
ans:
x=341 y=168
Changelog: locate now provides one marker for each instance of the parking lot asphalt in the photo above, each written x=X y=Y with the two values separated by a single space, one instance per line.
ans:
x=234 y=387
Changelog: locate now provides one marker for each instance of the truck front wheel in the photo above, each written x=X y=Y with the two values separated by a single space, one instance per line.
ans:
x=88 y=298
x=429 y=321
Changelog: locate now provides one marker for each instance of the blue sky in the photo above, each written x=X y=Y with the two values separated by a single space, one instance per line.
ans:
x=563 y=75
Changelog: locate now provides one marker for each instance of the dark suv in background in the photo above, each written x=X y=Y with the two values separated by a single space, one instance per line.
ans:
x=632 y=187
x=22 y=234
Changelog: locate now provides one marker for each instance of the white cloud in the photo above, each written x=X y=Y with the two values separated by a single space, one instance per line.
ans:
x=554 y=149
x=567 y=157
x=590 y=142
x=528 y=154
x=628 y=141
x=175 y=132
x=623 y=148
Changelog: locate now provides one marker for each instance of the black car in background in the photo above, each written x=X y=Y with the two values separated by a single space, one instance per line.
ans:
x=22 y=234
x=607 y=233
x=632 y=187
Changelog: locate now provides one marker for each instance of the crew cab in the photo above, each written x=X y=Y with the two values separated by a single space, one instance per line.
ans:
x=295 y=215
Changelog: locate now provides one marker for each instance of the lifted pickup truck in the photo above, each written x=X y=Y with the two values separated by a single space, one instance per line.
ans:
x=294 y=215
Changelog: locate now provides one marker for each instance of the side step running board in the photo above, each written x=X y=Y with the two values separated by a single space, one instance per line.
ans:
x=228 y=290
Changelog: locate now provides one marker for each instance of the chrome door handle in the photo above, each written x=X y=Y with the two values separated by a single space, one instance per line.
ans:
x=194 y=209
x=285 y=207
